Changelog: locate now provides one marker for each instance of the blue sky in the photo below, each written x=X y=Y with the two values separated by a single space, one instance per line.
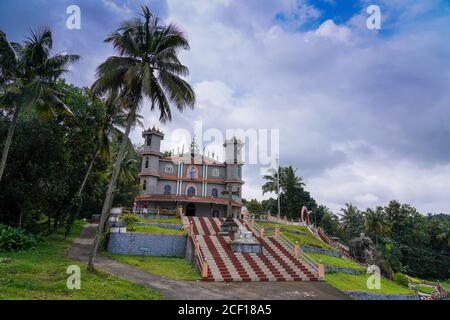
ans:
x=363 y=114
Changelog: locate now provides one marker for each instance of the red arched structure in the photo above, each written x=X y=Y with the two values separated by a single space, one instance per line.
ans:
x=305 y=214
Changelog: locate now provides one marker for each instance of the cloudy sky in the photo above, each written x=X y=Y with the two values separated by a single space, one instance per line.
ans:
x=363 y=114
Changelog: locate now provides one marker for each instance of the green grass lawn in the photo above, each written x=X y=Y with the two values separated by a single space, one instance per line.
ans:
x=303 y=239
x=40 y=273
x=347 y=282
x=157 y=230
x=424 y=289
x=335 y=261
x=445 y=284
x=173 y=268
x=171 y=220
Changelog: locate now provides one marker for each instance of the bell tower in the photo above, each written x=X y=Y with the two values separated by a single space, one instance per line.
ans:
x=151 y=154
x=233 y=160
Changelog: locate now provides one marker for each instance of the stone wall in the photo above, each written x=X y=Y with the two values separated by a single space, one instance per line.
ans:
x=162 y=225
x=332 y=269
x=159 y=245
x=331 y=253
x=379 y=296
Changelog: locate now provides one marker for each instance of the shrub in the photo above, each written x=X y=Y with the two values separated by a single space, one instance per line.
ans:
x=131 y=220
x=12 y=239
x=401 y=279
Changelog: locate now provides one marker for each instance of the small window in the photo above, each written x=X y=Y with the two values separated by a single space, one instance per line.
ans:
x=215 y=214
x=193 y=173
x=215 y=172
x=149 y=140
x=146 y=163
x=191 y=191
x=144 y=185
x=168 y=168
x=167 y=189
x=215 y=192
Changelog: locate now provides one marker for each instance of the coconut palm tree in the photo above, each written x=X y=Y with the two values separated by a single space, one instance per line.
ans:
x=147 y=66
x=376 y=223
x=109 y=127
x=272 y=181
x=288 y=178
x=28 y=73
x=352 y=221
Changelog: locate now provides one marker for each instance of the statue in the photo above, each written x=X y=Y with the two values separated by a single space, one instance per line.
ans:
x=244 y=242
x=362 y=249
x=244 y=236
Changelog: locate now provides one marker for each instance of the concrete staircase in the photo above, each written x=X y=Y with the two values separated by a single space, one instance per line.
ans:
x=277 y=263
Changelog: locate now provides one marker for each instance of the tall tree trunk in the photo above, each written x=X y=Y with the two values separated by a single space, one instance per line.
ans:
x=109 y=194
x=77 y=199
x=8 y=141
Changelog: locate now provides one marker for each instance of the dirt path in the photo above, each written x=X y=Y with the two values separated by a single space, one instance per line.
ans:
x=198 y=290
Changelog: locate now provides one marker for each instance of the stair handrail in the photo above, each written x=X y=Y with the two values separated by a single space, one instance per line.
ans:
x=255 y=228
x=198 y=252
x=311 y=262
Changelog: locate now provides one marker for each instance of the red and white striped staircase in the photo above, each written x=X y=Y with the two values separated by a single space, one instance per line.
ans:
x=276 y=263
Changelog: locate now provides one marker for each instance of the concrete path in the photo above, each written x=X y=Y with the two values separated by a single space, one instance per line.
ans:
x=199 y=290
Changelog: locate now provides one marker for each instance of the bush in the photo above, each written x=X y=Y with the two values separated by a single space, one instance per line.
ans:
x=401 y=279
x=131 y=220
x=12 y=239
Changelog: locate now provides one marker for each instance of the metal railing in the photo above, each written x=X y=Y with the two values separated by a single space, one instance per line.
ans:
x=203 y=265
x=295 y=249
x=303 y=255
x=282 y=220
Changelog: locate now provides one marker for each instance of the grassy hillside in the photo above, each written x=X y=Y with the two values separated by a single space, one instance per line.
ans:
x=335 y=261
x=173 y=268
x=40 y=273
x=347 y=282
x=303 y=239
x=158 y=230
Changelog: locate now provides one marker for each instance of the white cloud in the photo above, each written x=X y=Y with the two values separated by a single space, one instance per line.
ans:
x=363 y=116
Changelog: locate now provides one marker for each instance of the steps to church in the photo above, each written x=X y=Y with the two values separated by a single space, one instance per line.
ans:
x=276 y=263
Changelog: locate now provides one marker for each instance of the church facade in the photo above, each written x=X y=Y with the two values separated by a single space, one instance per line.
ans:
x=192 y=182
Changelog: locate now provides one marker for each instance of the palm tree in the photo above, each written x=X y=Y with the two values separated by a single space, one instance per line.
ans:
x=289 y=184
x=272 y=181
x=147 y=66
x=376 y=223
x=352 y=221
x=27 y=79
x=288 y=177
x=108 y=130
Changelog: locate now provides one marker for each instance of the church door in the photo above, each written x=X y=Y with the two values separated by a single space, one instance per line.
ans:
x=190 y=210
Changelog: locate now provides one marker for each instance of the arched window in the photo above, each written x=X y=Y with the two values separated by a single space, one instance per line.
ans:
x=191 y=191
x=146 y=162
x=193 y=173
x=168 y=168
x=149 y=140
x=144 y=185
x=167 y=189
x=215 y=192
x=215 y=172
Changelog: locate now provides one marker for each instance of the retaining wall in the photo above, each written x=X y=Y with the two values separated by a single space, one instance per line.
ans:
x=379 y=296
x=145 y=244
